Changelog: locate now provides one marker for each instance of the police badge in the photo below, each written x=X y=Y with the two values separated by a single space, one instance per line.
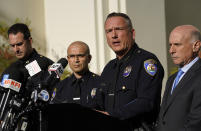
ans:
x=127 y=71
x=54 y=93
x=150 y=66
x=93 y=92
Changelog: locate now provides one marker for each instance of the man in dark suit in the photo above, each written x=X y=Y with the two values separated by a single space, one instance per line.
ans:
x=181 y=104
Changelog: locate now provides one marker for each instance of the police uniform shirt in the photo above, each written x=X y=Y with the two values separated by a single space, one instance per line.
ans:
x=83 y=91
x=25 y=92
x=135 y=83
x=20 y=64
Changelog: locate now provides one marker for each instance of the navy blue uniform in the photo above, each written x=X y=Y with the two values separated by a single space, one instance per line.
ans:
x=135 y=83
x=84 y=91
x=19 y=66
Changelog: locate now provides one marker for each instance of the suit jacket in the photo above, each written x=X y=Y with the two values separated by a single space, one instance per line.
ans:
x=181 y=111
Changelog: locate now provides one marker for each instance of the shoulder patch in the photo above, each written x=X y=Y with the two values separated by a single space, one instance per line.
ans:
x=150 y=66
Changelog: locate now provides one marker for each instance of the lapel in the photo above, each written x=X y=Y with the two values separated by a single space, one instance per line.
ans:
x=186 y=78
x=167 y=92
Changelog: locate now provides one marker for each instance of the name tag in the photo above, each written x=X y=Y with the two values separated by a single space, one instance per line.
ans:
x=76 y=98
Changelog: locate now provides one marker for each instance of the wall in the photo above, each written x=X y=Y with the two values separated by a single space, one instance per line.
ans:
x=149 y=22
x=22 y=9
x=55 y=24
x=180 y=12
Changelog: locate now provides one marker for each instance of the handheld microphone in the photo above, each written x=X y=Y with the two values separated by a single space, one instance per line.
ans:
x=56 y=70
x=12 y=84
x=12 y=79
x=43 y=88
x=43 y=95
x=2 y=89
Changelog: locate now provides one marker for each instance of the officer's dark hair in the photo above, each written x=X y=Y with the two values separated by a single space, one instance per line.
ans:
x=125 y=16
x=20 y=27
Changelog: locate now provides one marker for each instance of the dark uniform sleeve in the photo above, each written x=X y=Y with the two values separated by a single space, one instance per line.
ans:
x=57 y=97
x=148 y=95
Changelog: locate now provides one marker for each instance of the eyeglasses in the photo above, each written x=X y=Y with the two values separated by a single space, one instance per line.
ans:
x=77 y=56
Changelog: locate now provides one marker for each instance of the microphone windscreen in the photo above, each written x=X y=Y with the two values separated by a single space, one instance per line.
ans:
x=15 y=74
x=63 y=62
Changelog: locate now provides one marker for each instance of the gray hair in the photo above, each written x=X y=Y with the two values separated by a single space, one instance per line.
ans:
x=125 y=16
x=196 y=35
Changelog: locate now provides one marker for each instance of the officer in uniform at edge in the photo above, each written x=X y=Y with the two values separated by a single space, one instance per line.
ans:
x=20 y=41
x=134 y=77
x=82 y=86
x=21 y=44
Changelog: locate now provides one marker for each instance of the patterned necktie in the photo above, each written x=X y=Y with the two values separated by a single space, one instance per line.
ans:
x=179 y=74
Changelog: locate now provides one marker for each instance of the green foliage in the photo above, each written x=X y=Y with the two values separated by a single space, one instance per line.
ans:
x=3 y=30
x=173 y=70
x=65 y=74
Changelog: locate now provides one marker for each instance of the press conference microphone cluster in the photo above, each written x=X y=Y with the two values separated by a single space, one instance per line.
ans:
x=55 y=71
x=11 y=84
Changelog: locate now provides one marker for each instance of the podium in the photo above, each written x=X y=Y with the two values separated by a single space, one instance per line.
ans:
x=73 y=117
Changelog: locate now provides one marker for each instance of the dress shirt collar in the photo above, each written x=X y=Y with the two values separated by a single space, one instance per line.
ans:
x=84 y=77
x=188 y=66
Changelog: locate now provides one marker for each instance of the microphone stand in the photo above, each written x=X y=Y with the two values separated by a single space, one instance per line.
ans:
x=4 y=105
x=2 y=101
x=41 y=126
x=6 y=116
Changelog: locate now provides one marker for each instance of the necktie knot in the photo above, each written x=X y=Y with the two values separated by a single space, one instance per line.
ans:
x=179 y=74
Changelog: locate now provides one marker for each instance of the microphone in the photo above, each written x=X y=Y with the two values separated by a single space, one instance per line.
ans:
x=56 y=70
x=44 y=95
x=11 y=82
x=43 y=80
x=2 y=89
x=12 y=79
